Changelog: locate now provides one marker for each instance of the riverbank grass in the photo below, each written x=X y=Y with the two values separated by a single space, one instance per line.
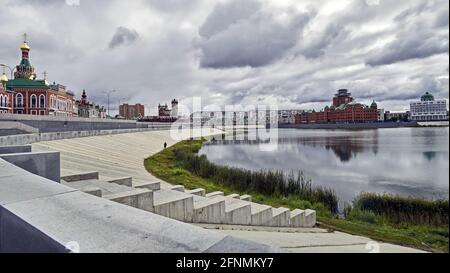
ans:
x=169 y=166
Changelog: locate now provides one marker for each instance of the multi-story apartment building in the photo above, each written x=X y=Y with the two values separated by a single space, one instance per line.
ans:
x=429 y=109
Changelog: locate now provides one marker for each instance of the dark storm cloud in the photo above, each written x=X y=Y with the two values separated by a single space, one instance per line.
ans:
x=123 y=36
x=239 y=34
x=410 y=45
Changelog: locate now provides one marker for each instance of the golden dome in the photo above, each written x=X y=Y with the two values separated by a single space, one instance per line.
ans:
x=3 y=78
x=25 y=46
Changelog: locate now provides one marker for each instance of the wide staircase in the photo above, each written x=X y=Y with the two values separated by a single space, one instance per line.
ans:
x=191 y=206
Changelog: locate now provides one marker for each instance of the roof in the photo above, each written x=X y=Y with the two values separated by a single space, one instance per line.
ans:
x=427 y=97
x=24 y=82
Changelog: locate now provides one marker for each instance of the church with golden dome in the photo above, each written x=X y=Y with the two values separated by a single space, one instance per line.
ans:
x=32 y=96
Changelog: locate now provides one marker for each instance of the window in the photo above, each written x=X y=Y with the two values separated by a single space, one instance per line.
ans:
x=1 y=100
x=19 y=100
x=42 y=101
x=33 y=99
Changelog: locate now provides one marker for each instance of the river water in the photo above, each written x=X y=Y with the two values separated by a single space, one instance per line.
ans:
x=405 y=161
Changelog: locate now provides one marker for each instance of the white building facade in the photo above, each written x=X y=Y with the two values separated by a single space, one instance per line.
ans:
x=429 y=109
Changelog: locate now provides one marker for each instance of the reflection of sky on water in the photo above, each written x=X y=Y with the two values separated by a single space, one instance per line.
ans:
x=408 y=161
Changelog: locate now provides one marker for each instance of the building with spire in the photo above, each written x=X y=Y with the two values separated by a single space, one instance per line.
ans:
x=35 y=96
x=86 y=109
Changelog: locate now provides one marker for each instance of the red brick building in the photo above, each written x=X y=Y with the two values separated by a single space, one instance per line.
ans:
x=344 y=110
x=37 y=97
x=132 y=111
x=6 y=96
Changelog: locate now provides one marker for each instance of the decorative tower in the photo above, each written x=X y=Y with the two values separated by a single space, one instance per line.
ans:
x=84 y=98
x=174 y=113
x=25 y=69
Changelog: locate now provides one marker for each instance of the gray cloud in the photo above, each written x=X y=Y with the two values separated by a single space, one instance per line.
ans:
x=410 y=45
x=239 y=34
x=123 y=36
x=294 y=53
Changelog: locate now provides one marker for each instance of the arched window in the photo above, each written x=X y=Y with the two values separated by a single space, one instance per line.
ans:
x=19 y=100
x=42 y=101
x=33 y=99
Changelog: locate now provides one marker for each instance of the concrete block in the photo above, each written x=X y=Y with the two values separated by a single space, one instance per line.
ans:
x=153 y=186
x=137 y=198
x=174 y=204
x=45 y=164
x=310 y=218
x=237 y=212
x=297 y=218
x=214 y=194
x=81 y=176
x=92 y=191
x=125 y=181
x=198 y=192
x=207 y=210
x=261 y=214
x=246 y=198
x=15 y=149
x=234 y=195
x=179 y=188
x=280 y=217
x=99 y=225
x=18 y=188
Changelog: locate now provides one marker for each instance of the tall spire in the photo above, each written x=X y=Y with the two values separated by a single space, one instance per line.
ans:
x=25 y=69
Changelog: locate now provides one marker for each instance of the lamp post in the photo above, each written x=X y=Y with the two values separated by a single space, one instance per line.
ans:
x=108 y=94
x=10 y=69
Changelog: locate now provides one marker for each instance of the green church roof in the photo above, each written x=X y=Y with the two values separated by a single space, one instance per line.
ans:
x=24 y=82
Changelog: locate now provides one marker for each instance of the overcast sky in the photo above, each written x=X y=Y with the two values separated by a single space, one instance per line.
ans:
x=295 y=53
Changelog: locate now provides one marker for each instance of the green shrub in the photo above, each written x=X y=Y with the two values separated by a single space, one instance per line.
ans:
x=400 y=209
x=266 y=182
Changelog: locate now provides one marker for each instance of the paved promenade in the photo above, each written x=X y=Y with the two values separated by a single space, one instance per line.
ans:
x=123 y=155
x=113 y=156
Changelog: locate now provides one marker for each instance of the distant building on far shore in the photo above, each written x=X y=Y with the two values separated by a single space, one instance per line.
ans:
x=344 y=110
x=88 y=109
x=397 y=116
x=128 y=111
x=429 y=109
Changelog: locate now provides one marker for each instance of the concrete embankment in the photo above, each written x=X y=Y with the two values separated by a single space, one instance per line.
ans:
x=39 y=215
x=350 y=126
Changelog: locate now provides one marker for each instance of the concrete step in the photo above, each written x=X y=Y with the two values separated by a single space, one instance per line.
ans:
x=297 y=218
x=137 y=198
x=214 y=194
x=237 y=212
x=198 y=192
x=179 y=188
x=234 y=195
x=261 y=214
x=207 y=210
x=81 y=176
x=174 y=204
x=246 y=198
x=125 y=181
x=280 y=217
x=310 y=218
x=153 y=186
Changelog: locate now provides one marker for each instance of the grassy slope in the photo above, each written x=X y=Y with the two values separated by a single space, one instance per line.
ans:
x=164 y=166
